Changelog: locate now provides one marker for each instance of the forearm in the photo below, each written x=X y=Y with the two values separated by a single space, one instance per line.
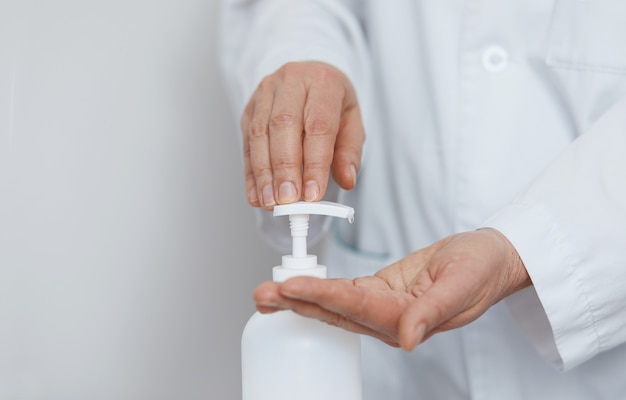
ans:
x=569 y=228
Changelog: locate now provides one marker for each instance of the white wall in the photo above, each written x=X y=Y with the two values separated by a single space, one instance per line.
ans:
x=127 y=251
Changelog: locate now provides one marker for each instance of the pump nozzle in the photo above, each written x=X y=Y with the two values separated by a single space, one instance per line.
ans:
x=299 y=222
x=318 y=208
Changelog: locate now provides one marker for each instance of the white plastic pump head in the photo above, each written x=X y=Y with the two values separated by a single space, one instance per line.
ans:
x=299 y=262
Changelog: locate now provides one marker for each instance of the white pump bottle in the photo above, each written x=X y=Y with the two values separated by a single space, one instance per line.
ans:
x=289 y=357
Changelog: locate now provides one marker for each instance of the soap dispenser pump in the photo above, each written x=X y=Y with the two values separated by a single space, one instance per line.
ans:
x=286 y=356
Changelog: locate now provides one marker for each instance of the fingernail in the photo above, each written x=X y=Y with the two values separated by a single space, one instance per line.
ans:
x=268 y=196
x=253 y=196
x=286 y=192
x=353 y=172
x=311 y=191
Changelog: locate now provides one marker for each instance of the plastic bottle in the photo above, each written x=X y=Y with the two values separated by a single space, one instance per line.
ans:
x=289 y=357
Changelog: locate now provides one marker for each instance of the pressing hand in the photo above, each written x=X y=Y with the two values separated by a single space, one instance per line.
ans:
x=301 y=122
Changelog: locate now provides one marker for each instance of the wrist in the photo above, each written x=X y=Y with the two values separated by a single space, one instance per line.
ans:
x=515 y=273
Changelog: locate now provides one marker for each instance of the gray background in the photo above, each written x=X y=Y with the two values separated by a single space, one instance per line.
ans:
x=128 y=253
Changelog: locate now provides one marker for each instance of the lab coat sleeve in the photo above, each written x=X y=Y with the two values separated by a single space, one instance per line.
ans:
x=569 y=227
x=259 y=36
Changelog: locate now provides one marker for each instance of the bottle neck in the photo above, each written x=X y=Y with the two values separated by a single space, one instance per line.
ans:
x=298 y=266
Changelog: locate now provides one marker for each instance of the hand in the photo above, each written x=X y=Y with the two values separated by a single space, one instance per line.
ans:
x=300 y=122
x=444 y=286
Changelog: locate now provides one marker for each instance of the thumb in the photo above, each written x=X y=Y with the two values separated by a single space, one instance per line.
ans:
x=348 y=148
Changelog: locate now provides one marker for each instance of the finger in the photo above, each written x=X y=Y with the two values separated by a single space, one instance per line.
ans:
x=465 y=284
x=263 y=309
x=428 y=314
x=286 y=128
x=349 y=145
x=322 y=114
x=269 y=299
x=251 y=188
x=267 y=294
x=259 y=144
x=370 y=303
x=312 y=310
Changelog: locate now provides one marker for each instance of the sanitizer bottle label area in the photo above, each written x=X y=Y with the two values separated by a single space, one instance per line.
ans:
x=286 y=356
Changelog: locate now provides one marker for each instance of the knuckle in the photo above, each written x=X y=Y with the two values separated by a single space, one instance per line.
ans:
x=316 y=166
x=257 y=129
x=284 y=119
x=317 y=72
x=336 y=320
x=318 y=127
x=349 y=146
x=326 y=73
x=290 y=68
x=284 y=163
x=261 y=171
x=249 y=177
x=266 y=85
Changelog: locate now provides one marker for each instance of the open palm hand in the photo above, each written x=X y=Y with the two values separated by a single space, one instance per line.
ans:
x=441 y=287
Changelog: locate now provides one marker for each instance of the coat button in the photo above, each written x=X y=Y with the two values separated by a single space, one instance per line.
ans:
x=495 y=58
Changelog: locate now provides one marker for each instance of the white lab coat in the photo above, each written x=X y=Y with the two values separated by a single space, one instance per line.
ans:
x=509 y=114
